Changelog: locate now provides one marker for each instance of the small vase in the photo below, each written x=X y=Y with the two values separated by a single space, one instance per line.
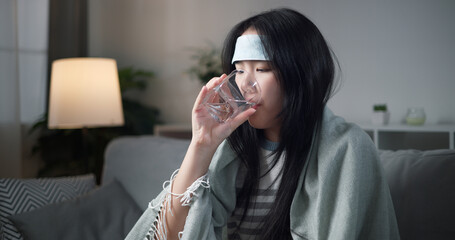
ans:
x=415 y=116
x=380 y=118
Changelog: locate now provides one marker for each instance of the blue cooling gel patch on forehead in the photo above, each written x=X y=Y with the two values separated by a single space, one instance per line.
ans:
x=249 y=47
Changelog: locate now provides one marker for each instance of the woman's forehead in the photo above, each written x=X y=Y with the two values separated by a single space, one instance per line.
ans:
x=250 y=31
x=251 y=62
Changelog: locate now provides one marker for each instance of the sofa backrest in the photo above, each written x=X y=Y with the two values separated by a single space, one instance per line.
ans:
x=422 y=185
x=142 y=164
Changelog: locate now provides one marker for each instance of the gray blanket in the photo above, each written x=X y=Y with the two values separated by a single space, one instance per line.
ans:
x=342 y=193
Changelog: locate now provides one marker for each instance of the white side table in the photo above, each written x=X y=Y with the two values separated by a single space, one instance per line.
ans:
x=381 y=134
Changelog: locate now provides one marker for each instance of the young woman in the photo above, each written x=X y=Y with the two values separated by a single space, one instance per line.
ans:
x=285 y=169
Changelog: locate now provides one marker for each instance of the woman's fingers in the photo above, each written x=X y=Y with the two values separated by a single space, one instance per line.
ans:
x=200 y=97
x=211 y=84
x=241 y=118
x=215 y=81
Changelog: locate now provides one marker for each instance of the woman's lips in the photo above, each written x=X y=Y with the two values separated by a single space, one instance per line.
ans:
x=256 y=106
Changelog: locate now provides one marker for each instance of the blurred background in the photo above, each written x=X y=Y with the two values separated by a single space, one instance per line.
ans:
x=399 y=53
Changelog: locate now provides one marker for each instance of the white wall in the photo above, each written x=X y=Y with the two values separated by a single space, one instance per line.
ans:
x=394 y=52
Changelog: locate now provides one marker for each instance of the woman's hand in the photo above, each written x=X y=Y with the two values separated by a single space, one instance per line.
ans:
x=207 y=136
x=207 y=132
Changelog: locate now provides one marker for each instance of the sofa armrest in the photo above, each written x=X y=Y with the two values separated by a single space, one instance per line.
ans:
x=422 y=185
x=142 y=164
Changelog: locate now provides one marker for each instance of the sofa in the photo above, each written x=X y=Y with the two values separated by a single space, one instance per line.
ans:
x=422 y=185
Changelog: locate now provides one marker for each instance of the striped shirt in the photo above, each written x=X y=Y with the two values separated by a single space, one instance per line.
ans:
x=262 y=202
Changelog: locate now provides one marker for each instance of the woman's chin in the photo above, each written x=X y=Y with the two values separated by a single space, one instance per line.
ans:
x=255 y=122
x=264 y=122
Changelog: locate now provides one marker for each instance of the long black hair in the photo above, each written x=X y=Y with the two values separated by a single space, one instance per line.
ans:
x=304 y=66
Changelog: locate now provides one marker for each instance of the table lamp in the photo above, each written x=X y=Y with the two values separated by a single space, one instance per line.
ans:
x=84 y=93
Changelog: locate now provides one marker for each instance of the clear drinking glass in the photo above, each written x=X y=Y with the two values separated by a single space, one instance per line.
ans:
x=238 y=92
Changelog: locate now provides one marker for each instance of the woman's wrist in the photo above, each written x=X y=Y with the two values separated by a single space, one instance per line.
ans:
x=195 y=164
x=201 y=152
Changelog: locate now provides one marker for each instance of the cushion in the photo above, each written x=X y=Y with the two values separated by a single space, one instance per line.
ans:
x=142 y=164
x=108 y=212
x=23 y=195
x=422 y=185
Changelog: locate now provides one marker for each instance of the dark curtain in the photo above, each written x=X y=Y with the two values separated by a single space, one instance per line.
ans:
x=62 y=151
x=67 y=32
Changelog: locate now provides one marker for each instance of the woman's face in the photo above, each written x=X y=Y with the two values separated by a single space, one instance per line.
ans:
x=270 y=105
x=268 y=109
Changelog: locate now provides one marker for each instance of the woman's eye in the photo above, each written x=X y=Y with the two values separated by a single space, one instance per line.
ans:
x=262 y=69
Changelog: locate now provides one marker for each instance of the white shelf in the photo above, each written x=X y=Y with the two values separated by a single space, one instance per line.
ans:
x=378 y=131
x=391 y=136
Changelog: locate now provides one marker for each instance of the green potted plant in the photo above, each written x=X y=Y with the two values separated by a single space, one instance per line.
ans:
x=380 y=114
x=207 y=63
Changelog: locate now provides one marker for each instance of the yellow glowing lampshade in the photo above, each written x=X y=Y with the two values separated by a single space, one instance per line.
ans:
x=84 y=93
